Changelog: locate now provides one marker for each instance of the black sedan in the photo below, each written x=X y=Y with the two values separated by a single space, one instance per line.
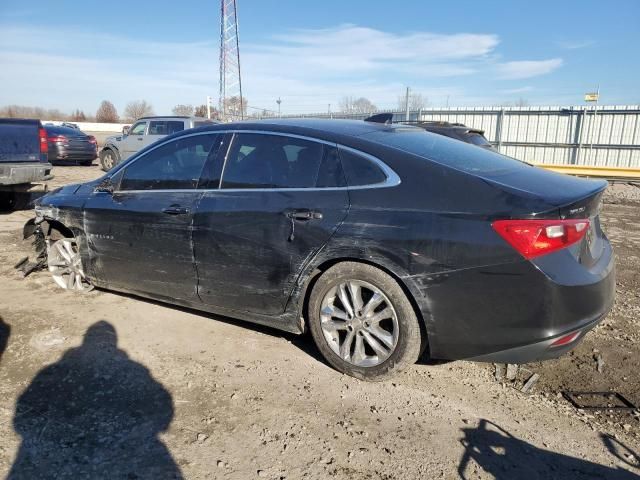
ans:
x=69 y=145
x=383 y=240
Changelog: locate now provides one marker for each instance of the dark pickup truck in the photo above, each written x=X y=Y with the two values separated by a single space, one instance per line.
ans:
x=23 y=160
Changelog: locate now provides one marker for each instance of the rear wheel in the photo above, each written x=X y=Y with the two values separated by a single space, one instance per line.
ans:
x=108 y=159
x=362 y=322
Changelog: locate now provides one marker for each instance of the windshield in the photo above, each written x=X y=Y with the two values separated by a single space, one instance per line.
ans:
x=446 y=151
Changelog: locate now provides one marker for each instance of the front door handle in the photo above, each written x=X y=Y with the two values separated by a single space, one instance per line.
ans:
x=140 y=139
x=175 y=210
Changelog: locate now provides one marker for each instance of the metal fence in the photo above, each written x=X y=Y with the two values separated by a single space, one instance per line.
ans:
x=578 y=135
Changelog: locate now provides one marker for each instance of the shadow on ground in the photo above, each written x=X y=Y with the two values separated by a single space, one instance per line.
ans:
x=504 y=456
x=94 y=413
x=5 y=332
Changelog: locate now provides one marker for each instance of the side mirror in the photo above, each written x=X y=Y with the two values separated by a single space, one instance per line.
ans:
x=125 y=130
x=105 y=186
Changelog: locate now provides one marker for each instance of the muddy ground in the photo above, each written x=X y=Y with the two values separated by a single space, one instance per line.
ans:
x=104 y=385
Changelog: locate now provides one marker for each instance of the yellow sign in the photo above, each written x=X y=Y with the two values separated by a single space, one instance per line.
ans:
x=591 y=97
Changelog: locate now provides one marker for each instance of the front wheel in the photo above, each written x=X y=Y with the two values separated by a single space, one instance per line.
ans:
x=65 y=265
x=108 y=159
x=362 y=322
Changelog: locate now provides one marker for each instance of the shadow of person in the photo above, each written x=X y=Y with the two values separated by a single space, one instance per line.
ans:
x=504 y=456
x=94 y=414
x=5 y=331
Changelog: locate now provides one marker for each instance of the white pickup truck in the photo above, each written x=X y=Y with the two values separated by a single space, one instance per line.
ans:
x=144 y=132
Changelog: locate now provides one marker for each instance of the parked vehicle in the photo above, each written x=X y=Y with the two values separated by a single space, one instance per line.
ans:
x=382 y=240
x=452 y=130
x=23 y=160
x=68 y=145
x=142 y=133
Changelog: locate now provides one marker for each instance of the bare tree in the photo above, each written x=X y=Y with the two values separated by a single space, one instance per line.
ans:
x=522 y=102
x=201 y=111
x=416 y=101
x=232 y=105
x=107 y=113
x=137 y=109
x=78 y=116
x=357 y=105
x=184 y=110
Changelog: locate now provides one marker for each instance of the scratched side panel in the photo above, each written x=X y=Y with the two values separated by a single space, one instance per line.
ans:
x=246 y=256
x=134 y=245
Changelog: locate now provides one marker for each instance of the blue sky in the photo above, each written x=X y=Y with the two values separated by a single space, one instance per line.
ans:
x=69 y=54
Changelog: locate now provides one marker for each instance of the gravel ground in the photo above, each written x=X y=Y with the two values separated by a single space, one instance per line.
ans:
x=106 y=385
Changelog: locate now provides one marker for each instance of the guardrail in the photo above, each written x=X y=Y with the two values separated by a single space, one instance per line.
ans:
x=611 y=173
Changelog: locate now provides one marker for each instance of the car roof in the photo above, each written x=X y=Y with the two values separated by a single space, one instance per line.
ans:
x=321 y=127
x=173 y=117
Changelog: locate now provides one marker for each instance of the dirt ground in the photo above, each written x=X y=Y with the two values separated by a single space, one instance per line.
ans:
x=104 y=385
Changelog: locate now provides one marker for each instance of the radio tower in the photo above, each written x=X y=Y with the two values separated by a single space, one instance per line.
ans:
x=230 y=82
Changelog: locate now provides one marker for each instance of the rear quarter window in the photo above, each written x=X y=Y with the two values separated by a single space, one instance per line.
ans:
x=443 y=150
x=360 y=170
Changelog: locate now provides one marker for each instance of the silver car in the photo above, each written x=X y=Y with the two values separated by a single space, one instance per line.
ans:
x=144 y=132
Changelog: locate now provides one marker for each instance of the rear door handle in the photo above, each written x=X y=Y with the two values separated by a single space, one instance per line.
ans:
x=304 y=215
x=175 y=210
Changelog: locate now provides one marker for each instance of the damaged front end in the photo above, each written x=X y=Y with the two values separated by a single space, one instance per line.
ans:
x=34 y=228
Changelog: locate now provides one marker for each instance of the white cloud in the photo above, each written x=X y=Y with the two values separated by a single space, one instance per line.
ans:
x=575 y=44
x=527 y=68
x=511 y=91
x=67 y=68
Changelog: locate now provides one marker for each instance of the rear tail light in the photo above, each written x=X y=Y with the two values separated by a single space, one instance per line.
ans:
x=57 y=138
x=42 y=134
x=566 y=340
x=532 y=238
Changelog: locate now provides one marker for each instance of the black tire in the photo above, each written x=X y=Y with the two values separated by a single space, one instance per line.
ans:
x=11 y=201
x=408 y=346
x=108 y=159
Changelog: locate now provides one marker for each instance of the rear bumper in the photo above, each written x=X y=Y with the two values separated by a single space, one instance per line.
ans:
x=513 y=313
x=538 y=351
x=20 y=173
x=63 y=154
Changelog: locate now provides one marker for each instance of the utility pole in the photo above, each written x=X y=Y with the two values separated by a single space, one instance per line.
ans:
x=406 y=106
x=279 y=101
x=208 y=107
x=230 y=78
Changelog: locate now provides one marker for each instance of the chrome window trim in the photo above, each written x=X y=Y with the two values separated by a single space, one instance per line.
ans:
x=392 y=178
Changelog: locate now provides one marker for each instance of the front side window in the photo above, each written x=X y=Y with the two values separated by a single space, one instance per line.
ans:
x=138 y=128
x=165 y=127
x=175 y=165
x=275 y=161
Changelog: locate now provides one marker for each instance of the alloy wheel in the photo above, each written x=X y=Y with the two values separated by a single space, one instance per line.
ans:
x=359 y=323
x=65 y=266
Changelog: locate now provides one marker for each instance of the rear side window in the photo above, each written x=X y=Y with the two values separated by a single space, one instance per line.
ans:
x=165 y=127
x=453 y=153
x=276 y=161
x=175 y=165
x=360 y=170
x=477 y=139
x=61 y=130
